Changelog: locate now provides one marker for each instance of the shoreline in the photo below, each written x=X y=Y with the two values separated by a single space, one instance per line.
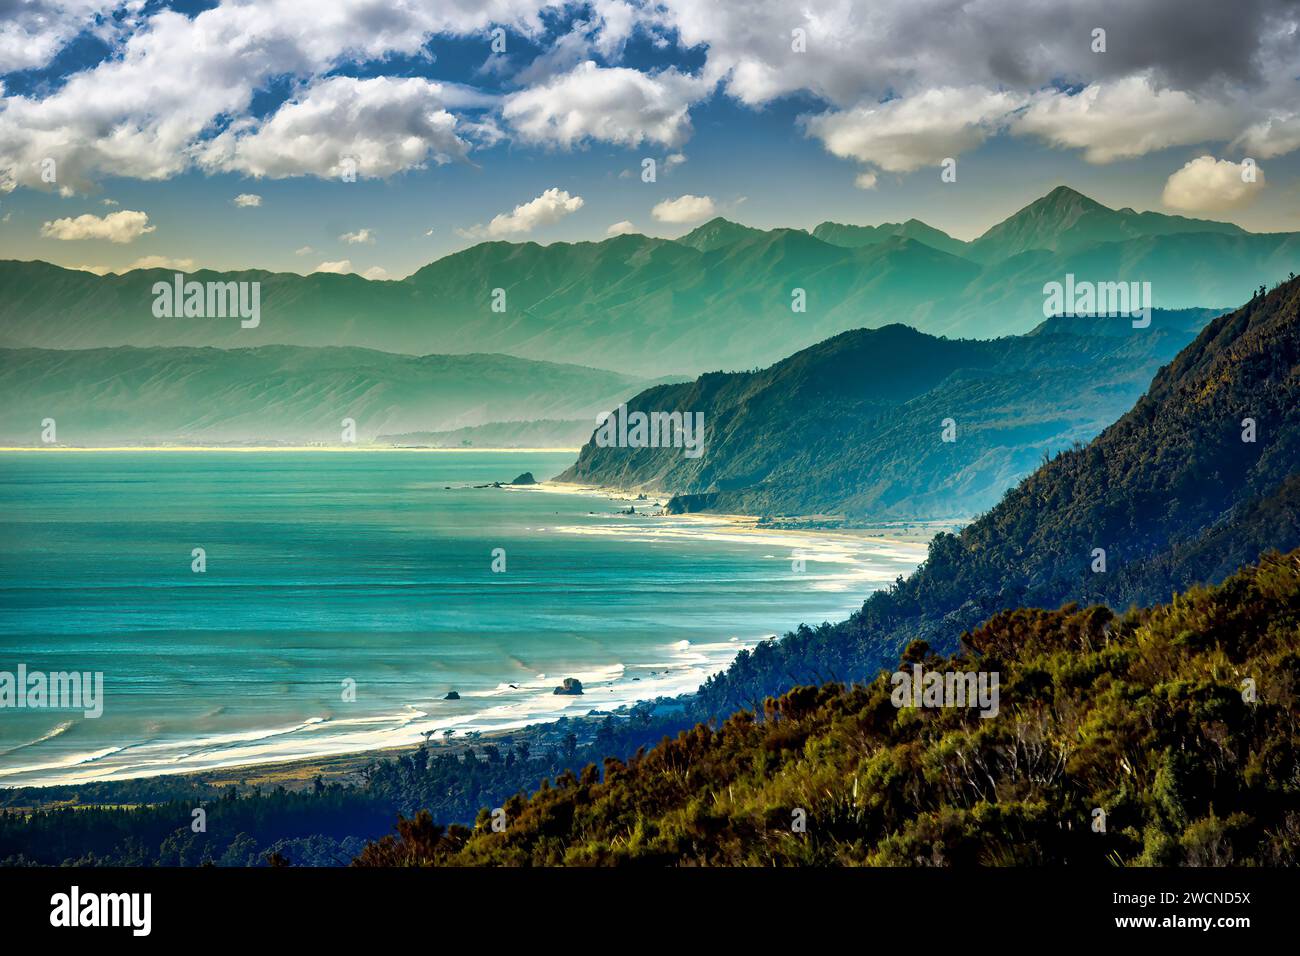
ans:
x=814 y=543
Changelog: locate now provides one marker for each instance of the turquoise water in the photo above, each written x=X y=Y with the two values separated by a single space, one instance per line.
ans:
x=365 y=567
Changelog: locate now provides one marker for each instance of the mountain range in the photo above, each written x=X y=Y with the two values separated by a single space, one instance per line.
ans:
x=283 y=393
x=853 y=427
x=634 y=303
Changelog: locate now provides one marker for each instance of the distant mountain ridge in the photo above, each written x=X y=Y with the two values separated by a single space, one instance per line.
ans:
x=852 y=237
x=852 y=427
x=721 y=297
x=282 y=393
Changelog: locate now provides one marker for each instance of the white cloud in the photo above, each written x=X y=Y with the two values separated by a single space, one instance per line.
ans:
x=1223 y=73
x=144 y=111
x=607 y=104
x=162 y=262
x=865 y=180
x=361 y=236
x=923 y=130
x=1126 y=118
x=384 y=126
x=621 y=228
x=303 y=251
x=145 y=262
x=684 y=209
x=548 y=208
x=1271 y=137
x=345 y=267
x=246 y=200
x=1207 y=184
x=859 y=52
x=32 y=32
x=123 y=226
x=339 y=266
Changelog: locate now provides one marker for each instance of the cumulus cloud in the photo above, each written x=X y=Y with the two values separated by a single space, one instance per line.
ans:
x=621 y=228
x=858 y=51
x=1271 y=137
x=905 y=134
x=125 y=225
x=683 y=209
x=1126 y=118
x=548 y=208
x=1187 y=78
x=1207 y=184
x=338 y=267
x=345 y=267
x=607 y=104
x=865 y=180
x=1225 y=74
x=31 y=32
x=246 y=200
x=145 y=262
x=117 y=118
x=379 y=126
x=162 y=262
x=366 y=236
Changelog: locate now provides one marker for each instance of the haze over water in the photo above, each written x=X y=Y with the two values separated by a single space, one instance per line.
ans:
x=369 y=566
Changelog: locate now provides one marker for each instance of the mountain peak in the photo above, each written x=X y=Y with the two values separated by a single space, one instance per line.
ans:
x=1065 y=194
x=716 y=233
x=1065 y=220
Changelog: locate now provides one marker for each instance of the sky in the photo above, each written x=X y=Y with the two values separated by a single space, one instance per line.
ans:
x=222 y=134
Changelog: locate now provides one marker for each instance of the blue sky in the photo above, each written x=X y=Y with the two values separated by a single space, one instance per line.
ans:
x=171 y=111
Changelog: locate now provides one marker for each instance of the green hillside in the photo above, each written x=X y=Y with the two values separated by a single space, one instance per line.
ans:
x=853 y=426
x=1143 y=718
x=1170 y=492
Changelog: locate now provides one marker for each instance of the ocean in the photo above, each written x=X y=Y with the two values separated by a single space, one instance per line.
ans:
x=345 y=594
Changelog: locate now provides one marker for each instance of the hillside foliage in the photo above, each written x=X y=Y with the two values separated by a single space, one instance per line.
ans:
x=1171 y=493
x=1143 y=716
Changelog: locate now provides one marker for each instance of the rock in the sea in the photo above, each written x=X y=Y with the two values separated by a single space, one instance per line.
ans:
x=452 y=695
x=571 y=686
x=525 y=479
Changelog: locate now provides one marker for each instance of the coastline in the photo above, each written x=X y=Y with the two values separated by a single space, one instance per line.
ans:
x=829 y=545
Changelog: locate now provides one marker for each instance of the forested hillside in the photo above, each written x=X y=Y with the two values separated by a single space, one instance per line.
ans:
x=1158 y=737
x=1174 y=493
x=855 y=426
